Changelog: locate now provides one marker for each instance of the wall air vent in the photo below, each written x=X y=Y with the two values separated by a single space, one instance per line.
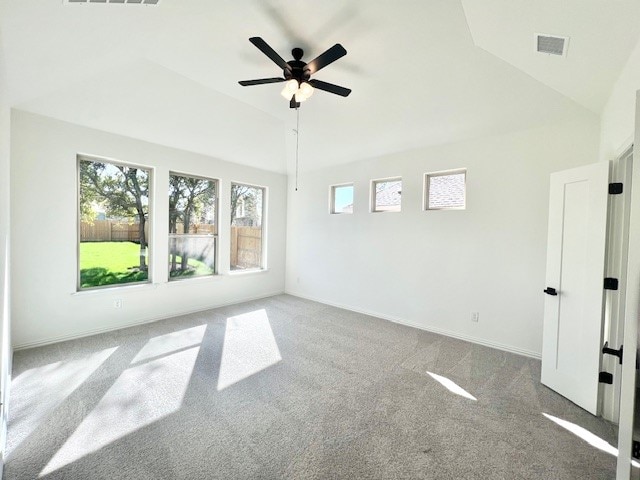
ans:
x=114 y=2
x=552 y=44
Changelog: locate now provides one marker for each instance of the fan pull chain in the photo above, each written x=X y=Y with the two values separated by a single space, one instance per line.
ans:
x=297 y=142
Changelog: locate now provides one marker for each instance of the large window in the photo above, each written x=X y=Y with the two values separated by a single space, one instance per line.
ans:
x=342 y=198
x=247 y=227
x=386 y=195
x=193 y=232
x=445 y=190
x=114 y=223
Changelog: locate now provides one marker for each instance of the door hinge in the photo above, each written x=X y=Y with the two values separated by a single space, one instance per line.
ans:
x=612 y=351
x=605 y=377
x=635 y=450
x=615 y=188
x=610 y=283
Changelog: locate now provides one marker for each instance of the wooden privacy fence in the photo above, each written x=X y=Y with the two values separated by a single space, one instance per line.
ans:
x=246 y=247
x=111 y=231
x=115 y=231
x=197 y=228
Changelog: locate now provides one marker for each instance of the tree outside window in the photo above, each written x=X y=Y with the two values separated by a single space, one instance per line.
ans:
x=114 y=217
x=192 y=226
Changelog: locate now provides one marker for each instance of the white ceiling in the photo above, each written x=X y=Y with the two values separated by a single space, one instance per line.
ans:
x=601 y=36
x=168 y=74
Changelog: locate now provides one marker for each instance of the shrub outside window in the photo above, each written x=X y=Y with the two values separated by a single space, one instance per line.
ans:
x=193 y=232
x=247 y=227
x=445 y=190
x=113 y=236
x=342 y=198
x=386 y=195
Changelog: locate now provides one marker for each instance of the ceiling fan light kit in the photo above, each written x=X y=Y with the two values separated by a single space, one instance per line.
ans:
x=297 y=74
x=304 y=92
x=290 y=88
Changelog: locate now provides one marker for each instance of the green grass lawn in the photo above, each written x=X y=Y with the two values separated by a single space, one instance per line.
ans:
x=112 y=263
x=195 y=268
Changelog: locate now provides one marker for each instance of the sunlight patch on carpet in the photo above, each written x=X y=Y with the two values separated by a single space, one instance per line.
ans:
x=249 y=347
x=587 y=436
x=170 y=342
x=142 y=394
x=452 y=386
x=44 y=388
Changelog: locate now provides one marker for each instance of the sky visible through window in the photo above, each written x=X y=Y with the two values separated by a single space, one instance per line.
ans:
x=343 y=199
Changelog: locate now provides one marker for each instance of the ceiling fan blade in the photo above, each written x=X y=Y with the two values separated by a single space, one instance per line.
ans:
x=260 y=81
x=324 y=59
x=330 y=87
x=270 y=52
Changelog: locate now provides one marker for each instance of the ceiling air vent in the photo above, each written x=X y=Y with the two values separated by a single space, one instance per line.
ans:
x=552 y=44
x=121 y=2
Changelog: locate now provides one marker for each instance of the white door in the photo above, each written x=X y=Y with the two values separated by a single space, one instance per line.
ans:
x=573 y=309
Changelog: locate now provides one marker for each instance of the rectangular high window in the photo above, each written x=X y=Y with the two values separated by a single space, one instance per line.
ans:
x=386 y=195
x=342 y=198
x=113 y=236
x=445 y=190
x=247 y=227
x=193 y=232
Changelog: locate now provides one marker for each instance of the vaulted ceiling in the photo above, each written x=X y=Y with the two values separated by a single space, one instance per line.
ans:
x=423 y=72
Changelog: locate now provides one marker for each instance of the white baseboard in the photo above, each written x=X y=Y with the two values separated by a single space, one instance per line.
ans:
x=156 y=318
x=440 y=331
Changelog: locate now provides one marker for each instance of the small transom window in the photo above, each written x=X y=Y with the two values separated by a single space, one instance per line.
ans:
x=342 y=198
x=386 y=195
x=445 y=190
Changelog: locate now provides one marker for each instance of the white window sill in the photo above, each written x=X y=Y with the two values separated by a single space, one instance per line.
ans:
x=106 y=289
x=123 y=288
x=216 y=278
x=195 y=280
x=254 y=271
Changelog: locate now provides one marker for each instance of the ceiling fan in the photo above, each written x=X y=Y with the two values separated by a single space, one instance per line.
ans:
x=297 y=74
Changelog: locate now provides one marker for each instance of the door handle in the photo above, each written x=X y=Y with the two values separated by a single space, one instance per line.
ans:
x=550 y=291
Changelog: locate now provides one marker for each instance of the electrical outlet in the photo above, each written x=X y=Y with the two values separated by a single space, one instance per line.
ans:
x=117 y=303
x=475 y=316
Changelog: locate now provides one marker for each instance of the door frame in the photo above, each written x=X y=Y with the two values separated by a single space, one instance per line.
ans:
x=616 y=267
x=632 y=312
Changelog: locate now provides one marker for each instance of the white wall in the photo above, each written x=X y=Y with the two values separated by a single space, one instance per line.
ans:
x=45 y=304
x=432 y=269
x=618 y=116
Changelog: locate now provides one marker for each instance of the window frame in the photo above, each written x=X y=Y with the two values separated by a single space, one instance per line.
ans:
x=442 y=173
x=372 y=196
x=332 y=198
x=216 y=237
x=80 y=157
x=263 y=254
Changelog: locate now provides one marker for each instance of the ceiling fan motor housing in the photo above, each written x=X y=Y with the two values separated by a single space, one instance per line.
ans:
x=299 y=70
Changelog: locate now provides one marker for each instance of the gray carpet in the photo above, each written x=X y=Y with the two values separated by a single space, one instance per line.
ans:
x=293 y=389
